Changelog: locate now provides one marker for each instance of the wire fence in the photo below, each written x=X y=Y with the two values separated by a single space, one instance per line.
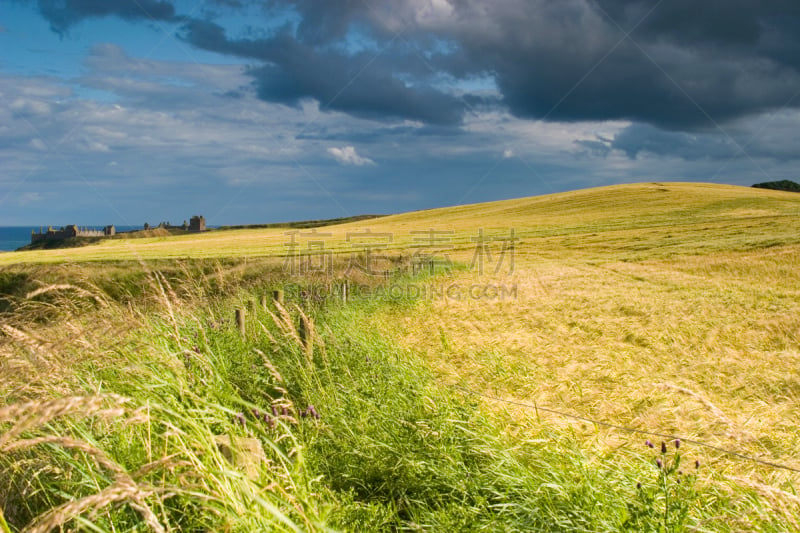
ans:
x=666 y=436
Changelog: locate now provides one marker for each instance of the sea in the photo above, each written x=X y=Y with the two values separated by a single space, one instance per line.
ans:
x=13 y=237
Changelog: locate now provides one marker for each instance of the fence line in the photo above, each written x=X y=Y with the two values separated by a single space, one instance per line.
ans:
x=625 y=428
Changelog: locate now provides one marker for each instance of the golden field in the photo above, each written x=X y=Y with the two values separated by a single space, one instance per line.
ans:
x=630 y=222
x=671 y=308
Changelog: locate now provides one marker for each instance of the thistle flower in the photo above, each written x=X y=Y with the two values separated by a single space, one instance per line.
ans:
x=274 y=411
x=239 y=418
x=639 y=485
x=648 y=443
x=697 y=464
x=659 y=464
x=663 y=447
x=677 y=443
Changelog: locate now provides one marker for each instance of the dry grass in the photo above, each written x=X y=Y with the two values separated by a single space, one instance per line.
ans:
x=672 y=308
x=71 y=457
x=622 y=219
x=704 y=347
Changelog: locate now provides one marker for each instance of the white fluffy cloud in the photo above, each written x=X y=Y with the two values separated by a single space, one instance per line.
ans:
x=348 y=156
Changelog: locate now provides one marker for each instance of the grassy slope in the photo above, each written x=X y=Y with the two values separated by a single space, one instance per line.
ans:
x=675 y=311
x=659 y=218
x=667 y=307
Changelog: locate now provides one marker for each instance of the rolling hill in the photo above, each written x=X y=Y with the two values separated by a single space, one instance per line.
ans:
x=657 y=218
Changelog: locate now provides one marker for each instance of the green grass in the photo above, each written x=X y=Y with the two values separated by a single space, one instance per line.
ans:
x=393 y=448
x=671 y=311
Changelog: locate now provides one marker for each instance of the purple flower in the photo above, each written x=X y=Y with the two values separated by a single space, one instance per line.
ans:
x=659 y=463
x=677 y=443
x=639 y=485
x=239 y=418
x=663 y=447
x=274 y=411
x=648 y=443
x=697 y=464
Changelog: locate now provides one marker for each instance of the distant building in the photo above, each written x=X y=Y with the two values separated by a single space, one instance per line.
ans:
x=197 y=223
x=70 y=232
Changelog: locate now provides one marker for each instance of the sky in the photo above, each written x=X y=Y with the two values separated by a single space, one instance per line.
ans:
x=253 y=111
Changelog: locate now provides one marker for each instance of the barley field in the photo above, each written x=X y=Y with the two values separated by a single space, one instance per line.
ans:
x=526 y=381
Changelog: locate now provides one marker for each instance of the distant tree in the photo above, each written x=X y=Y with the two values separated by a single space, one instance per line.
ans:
x=146 y=226
x=783 y=185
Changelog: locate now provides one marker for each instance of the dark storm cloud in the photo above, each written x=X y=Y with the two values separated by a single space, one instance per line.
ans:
x=357 y=83
x=686 y=65
x=638 y=138
x=746 y=140
x=64 y=13
x=728 y=22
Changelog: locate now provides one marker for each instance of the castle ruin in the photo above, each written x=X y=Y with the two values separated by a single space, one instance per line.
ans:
x=197 y=223
x=70 y=232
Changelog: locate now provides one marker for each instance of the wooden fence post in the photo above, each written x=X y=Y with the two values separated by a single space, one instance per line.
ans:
x=240 y=321
x=264 y=302
x=304 y=331
x=344 y=291
x=277 y=296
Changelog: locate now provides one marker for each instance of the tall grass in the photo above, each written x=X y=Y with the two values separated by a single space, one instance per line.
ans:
x=159 y=415
x=131 y=402
x=120 y=419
